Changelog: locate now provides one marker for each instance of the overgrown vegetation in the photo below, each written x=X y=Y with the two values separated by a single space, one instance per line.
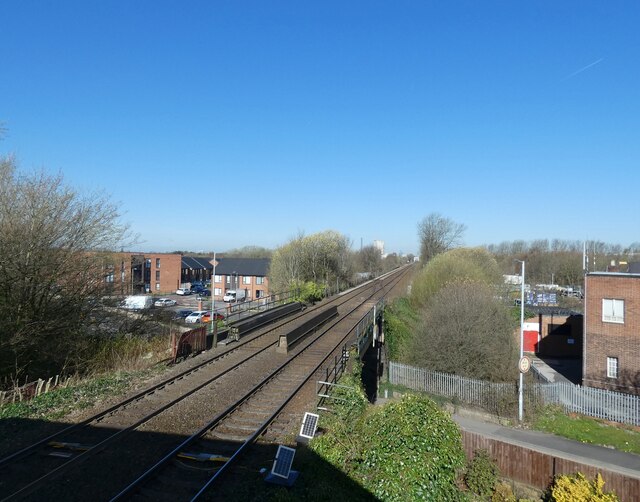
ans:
x=456 y=322
x=406 y=450
x=552 y=419
x=578 y=488
x=400 y=320
x=322 y=258
x=51 y=271
x=76 y=395
x=481 y=474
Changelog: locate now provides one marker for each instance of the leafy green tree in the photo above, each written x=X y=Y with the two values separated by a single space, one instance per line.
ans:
x=475 y=264
x=322 y=258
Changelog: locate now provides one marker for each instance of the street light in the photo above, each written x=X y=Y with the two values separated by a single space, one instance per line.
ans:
x=520 y=364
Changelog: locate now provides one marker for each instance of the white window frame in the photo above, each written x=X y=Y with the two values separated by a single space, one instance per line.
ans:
x=259 y=280
x=217 y=278
x=246 y=279
x=613 y=310
x=217 y=291
x=612 y=367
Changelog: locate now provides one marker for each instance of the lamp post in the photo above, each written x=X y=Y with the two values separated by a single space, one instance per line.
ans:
x=214 y=321
x=520 y=397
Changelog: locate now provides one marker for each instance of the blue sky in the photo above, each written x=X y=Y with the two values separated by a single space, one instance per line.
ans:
x=519 y=119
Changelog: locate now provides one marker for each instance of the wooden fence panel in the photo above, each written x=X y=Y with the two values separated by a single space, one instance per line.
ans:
x=538 y=469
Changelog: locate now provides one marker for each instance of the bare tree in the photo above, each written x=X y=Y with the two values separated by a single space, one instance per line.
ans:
x=51 y=267
x=369 y=259
x=438 y=234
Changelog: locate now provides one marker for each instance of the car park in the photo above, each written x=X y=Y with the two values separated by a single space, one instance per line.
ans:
x=165 y=302
x=183 y=291
x=195 y=316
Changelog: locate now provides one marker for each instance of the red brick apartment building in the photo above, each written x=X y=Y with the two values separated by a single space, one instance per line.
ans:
x=611 y=356
x=248 y=274
x=136 y=273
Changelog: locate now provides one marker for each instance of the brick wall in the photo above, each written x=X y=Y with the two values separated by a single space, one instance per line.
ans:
x=251 y=287
x=164 y=272
x=607 y=339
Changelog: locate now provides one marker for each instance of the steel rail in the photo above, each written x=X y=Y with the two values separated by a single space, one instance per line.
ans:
x=224 y=414
x=139 y=397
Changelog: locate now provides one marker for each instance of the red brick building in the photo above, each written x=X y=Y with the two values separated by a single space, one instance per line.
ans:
x=134 y=273
x=611 y=356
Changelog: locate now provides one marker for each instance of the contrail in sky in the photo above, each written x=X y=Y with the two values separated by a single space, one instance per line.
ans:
x=582 y=69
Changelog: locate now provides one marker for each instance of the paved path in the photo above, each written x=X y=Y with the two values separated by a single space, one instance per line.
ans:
x=598 y=456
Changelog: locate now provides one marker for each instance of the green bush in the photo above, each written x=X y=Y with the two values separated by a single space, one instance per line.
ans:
x=399 y=321
x=481 y=474
x=310 y=292
x=503 y=493
x=412 y=451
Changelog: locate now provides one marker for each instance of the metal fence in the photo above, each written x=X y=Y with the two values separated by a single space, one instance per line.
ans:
x=502 y=398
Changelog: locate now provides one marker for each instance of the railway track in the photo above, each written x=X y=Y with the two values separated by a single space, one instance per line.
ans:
x=79 y=453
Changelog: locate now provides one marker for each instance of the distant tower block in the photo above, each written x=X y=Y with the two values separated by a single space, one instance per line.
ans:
x=379 y=245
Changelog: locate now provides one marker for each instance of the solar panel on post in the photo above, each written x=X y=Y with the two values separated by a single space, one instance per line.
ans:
x=284 y=460
x=309 y=425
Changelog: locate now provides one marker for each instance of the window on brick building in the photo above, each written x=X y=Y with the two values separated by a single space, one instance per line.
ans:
x=157 y=275
x=612 y=367
x=218 y=278
x=612 y=310
x=246 y=280
x=157 y=286
x=217 y=291
x=259 y=280
x=259 y=293
x=157 y=262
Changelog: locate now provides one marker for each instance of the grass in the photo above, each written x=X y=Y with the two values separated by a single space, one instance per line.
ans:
x=75 y=396
x=588 y=430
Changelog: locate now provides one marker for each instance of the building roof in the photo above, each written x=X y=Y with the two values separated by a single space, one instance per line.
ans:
x=616 y=274
x=195 y=262
x=634 y=267
x=256 y=267
x=549 y=310
x=243 y=266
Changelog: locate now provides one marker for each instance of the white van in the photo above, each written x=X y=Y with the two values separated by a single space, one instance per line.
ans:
x=234 y=295
x=137 y=302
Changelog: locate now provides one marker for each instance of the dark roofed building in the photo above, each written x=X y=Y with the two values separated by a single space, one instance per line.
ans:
x=248 y=274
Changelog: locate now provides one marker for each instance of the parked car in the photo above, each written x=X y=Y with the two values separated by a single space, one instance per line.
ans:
x=165 y=302
x=183 y=291
x=197 y=288
x=217 y=316
x=203 y=294
x=182 y=314
x=195 y=316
